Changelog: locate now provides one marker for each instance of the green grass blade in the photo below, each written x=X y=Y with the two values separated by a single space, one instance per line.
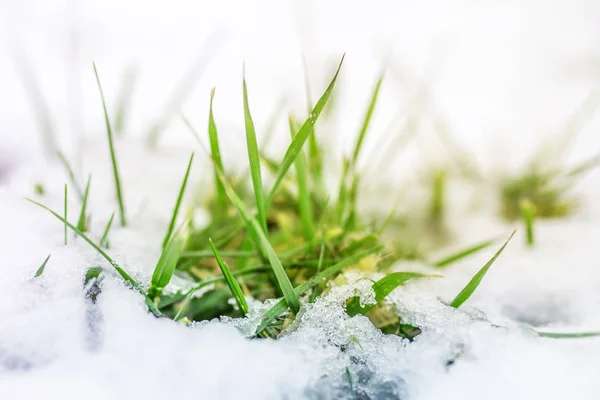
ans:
x=367 y=121
x=315 y=292
x=304 y=200
x=165 y=266
x=82 y=221
x=476 y=280
x=124 y=99
x=527 y=209
x=178 y=203
x=567 y=335
x=263 y=242
x=104 y=239
x=254 y=158
x=113 y=156
x=40 y=270
x=215 y=152
x=224 y=253
x=65 y=213
x=234 y=286
x=300 y=138
x=116 y=266
x=70 y=173
x=382 y=288
x=464 y=253
x=281 y=305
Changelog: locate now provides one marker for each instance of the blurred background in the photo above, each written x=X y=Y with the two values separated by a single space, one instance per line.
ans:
x=501 y=75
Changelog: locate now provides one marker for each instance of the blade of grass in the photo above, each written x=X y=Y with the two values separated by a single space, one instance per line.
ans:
x=165 y=266
x=65 y=211
x=367 y=121
x=281 y=305
x=124 y=99
x=304 y=200
x=567 y=335
x=113 y=156
x=40 y=270
x=254 y=158
x=315 y=292
x=235 y=288
x=470 y=288
x=215 y=152
x=224 y=253
x=113 y=263
x=382 y=289
x=263 y=243
x=300 y=138
x=178 y=202
x=464 y=253
x=81 y=222
x=528 y=215
x=104 y=239
x=67 y=166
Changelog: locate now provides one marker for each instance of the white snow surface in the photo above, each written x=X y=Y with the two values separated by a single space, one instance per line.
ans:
x=505 y=75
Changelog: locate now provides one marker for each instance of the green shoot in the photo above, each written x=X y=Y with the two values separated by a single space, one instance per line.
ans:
x=234 y=286
x=382 y=289
x=65 y=211
x=528 y=215
x=104 y=239
x=113 y=156
x=116 y=266
x=366 y=122
x=69 y=169
x=281 y=305
x=451 y=259
x=178 y=203
x=40 y=270
x=38 y=188
x=254 y=158
x=304 y=200
x=215 y=153
x=165 y=267
x=263 y=242
x=473 y=284
x=300 y=138
x=82 y=221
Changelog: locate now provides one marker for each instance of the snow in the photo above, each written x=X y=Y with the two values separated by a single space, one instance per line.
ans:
x=506 y=75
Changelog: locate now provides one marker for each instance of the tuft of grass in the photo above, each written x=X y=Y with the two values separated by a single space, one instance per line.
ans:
x=113 y=156
x=254 y=158
x=40 y=270
x=82 y=220
x=234 y=286
x=473 y=284
x=178 y=203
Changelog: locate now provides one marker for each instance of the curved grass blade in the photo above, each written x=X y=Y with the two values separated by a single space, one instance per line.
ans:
x=116 y=266
x=40 y=270
x=280 y=307
x=178 y=203
x=163 y=272
x=82 y=221
x=215 y=152
x=304 y=200
x=451 y=259
x=383 y=288
x=113 y=156
x=263 y=242
x=234 y=286
x=300 y=138
x=70 y=173
x=476 y=280
x=254 y=158
x=104 y=239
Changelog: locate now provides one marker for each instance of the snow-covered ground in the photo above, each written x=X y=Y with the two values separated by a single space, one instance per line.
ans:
x=505 y=75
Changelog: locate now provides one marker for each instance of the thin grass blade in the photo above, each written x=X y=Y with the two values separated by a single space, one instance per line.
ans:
x=234 y=286
x=254 y=159
x=40 y=270
x=165 y=267
x=104 y=239
x=113 y=156
x=65 y=213
x=82 y=221
x=70 y=173
x=124 y=99
x=567 y=335
x=178 y=203
x=300 y=138
x=367 y=121
x=473 y=284
x=215 y=152
x=464 y=253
